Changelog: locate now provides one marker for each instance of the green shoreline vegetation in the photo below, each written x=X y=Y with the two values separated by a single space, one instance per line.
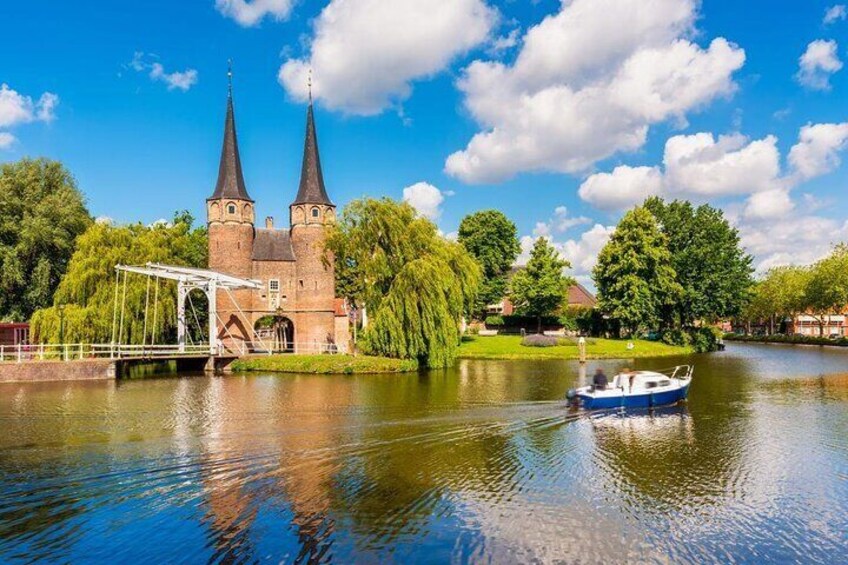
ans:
x=325 y=364
x=509 y=347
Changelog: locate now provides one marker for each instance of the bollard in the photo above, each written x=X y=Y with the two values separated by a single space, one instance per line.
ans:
x=581 y=348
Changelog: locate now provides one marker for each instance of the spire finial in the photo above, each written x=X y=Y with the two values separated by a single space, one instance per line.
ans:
x=230 y=77
x=309 y=83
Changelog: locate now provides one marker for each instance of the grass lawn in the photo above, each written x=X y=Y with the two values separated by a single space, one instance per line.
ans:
x=509 y=347
x=324 y=364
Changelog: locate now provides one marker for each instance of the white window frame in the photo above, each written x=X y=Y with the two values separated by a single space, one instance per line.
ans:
x=271 y=285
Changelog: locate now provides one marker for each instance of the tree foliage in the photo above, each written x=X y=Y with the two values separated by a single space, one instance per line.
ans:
x=634 y=274
x=84 y=304
x=781 y=293
x=827 y=286
x=711 y=268
x=414 y=284
x=541 y=287
x=41 y=214
x=492 y=239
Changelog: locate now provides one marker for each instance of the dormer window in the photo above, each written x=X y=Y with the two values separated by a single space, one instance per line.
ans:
x=315 y=212
x=231 y=208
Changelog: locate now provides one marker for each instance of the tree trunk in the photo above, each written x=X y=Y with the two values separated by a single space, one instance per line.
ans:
x=538 y=324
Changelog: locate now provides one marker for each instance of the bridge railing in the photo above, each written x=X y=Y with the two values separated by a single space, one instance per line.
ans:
x=74 y=351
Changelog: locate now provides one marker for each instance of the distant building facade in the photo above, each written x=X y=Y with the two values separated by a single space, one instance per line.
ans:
x=297 y=308
x=14 y=333
x=578 y=296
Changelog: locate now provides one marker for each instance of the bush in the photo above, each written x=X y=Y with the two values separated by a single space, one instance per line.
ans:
x=497 y=321
x=702 y=340
x=790 y=339
x=676 y=337
x=539 y=340
x=705 y=340
x=568 y=323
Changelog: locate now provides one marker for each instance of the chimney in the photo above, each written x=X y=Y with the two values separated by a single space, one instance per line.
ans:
x=269 y=222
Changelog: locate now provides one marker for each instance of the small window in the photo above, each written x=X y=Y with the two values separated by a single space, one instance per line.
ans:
x=231 y=209
x=300 y=283
x=274 y=285
x=315 y=212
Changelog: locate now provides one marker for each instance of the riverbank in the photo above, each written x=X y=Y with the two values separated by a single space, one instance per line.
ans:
x=788 y=339
x=509 y=347
x=324 y=364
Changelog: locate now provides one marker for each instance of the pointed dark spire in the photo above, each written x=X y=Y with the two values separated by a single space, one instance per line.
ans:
x=230 y=178
x=311 y=190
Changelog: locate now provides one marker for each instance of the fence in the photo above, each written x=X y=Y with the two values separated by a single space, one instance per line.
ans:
x=74 y=351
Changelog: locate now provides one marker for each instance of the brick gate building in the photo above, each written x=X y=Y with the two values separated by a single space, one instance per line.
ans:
x=298 y=297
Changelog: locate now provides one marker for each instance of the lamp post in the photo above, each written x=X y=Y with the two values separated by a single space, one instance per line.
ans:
x=61 y=308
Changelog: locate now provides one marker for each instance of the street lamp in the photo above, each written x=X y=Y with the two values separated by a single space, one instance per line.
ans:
x=61 y=309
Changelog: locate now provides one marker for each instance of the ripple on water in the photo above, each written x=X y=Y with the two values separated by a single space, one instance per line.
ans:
x=481 y=463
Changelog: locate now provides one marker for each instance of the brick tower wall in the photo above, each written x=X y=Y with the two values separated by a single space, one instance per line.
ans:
x=230 y=252
x=315 y=285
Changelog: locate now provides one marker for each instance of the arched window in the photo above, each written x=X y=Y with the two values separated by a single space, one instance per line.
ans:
x=231 y=208
x=315 y=212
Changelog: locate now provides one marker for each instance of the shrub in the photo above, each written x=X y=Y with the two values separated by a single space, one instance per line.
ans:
x=539 y=340
x=676 y=337
x=704 y=340
x=494 y=321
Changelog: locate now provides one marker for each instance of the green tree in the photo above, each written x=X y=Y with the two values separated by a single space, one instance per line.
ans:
x=541 y=287
x=414 y=284
x=827 y=286
x=781 y=293
x=492 y=239
x=84 y=303
x=41 y=214
x=634 y=275
x=711 y=267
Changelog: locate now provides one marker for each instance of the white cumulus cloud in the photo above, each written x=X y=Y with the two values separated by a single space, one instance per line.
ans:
x=835 y=13
x=817 y=150
x=425 y=198
x=248 y=13
x=623 y=187
x=177 y=80
x=586 y=85
x=702 y=166
x=17 y=109
x=561 y=222
x=365 y=54
x=818 y=63
x=6 y=139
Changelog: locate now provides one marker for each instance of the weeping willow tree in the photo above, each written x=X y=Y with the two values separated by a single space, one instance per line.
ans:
x=415 y=285
x=84 y=303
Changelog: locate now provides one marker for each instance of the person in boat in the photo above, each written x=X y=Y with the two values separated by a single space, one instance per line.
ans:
x=600 y=381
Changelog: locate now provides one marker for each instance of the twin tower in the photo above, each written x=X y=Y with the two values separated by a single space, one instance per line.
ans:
x=296 y=310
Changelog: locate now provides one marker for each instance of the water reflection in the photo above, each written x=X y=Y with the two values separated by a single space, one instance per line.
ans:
x=481 y=462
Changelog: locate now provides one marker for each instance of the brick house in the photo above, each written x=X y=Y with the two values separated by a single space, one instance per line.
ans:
x=297 y=300
x=805 y=324
x=578 y=296
x=14 y=333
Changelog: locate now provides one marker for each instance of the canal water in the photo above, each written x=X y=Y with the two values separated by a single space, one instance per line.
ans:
x=478 y=463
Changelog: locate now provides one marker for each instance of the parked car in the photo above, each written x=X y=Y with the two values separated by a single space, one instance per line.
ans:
x=835 y=335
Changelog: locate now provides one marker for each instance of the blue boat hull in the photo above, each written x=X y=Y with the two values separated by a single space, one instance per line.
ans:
x=648 y=400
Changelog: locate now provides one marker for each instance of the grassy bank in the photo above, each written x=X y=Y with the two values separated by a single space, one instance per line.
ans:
x=324 y=364
x=509 y=347
x=789 y=339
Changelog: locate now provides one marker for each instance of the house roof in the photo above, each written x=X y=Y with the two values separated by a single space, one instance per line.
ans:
x=311 y=189
x=230 y=178
x=579 y=296
x=272 y=245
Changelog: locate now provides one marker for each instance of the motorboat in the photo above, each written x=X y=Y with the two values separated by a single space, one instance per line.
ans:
x=637 y=389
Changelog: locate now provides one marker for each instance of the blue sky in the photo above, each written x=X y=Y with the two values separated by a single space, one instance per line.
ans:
x=572 y=103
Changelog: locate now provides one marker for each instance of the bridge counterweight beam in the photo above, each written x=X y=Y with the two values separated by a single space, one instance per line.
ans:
x=182 y=292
